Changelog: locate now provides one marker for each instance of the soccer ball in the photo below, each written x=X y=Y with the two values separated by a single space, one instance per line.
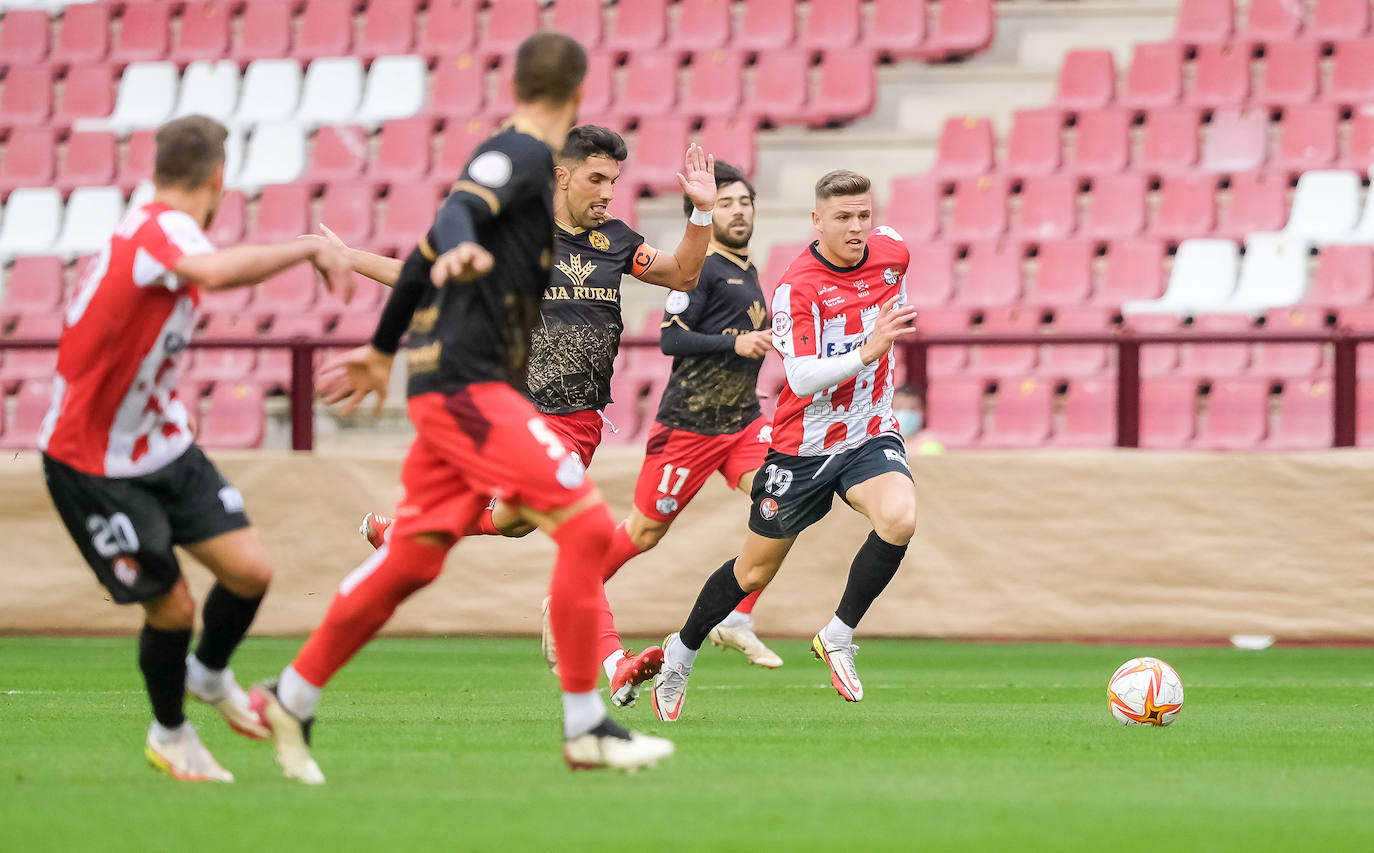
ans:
x=1145 y=691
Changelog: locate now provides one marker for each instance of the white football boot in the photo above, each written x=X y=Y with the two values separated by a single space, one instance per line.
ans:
x=740 y=636
x=840 y=659
x=184 y=757
x=612 y=745
x=546 y=635
x=232 y=703
x=290 y=736
x=670 y=687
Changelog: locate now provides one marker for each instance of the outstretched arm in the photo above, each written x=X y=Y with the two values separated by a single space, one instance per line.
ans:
x=240 y=266
x=379 y=268
x=681 y=269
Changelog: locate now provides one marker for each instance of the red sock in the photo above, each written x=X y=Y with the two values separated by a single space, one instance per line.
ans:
x=482 y=525
x=365 y=601
x=747 y=605
x=575 y=611
x=623 y=549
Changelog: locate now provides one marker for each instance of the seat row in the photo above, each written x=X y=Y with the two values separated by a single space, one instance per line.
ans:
x=1211 y=21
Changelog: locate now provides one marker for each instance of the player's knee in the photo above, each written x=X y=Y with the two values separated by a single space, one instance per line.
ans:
x=175 y=611
x=896 y=525
x=255 y=578
x=753 y=577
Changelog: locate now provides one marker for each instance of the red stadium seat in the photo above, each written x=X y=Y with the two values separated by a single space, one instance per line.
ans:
x=367 y=301
x=650 y=85
x=388 y=29
x=509 y=22
x=581 y=19
x=33 y=287
x=502 y=101
x=25 y=366
x=1187 y=207
x=1221 y=76
x=1290 y=73
x=1217 y=361
x=1049 y=208
x=1359 y=318
x=326 y=29
x=458 y=89
x=85 y=35
x=1134 y=270
x=1156 y=76
x=767 y=25
x=24 y=37
x=913 y=208
x=1034 y=144
x=410 y=209
x=992 y=276
x=715 y=84
x=264 y=32
x=1204 y=21
x=1364 y=417
x=730 y=140
x=1237 y=141
x=1344 y=276
x=225 y=306
x=145 y=32
x=598 y=89
x=30 y=159
x=1306 y=419
x=1087 y=80
x=27 y=98
x=88 y=92
x=847 y=88
x=945 y=360
x=450 y=28
x=459 y=140
x=965 y=149
x=897 y=28
x=1359 y=148
x=89 y=160
x=1064 y=274
x=641 y=25
x=1350 y=82
x=1009 y=360
x=980 y=209
x=403 y=150
x=283 y=213
x=1308 y=137
x=831 y=24
x=934 y=286
x=235 y=418
x=1102 y=142
x=1155 y=359
x=1170 y=146
x=702 y=25
x=1333 y=20
x=339 y=153
x=659 y=147
x=1168 y=413
x=780 y=256
x=962 y=28
x=204 y=33
x=30 y=408
x=347 y=210
x=781 y=81
x=1271 y=21
x=137 y=163
x=1066 y=360
x=222 y=365
x=1116 y=206
x=1089 y=417
x=1285 y=361
x=230 y=220
x=289 y=292
x=1257 y=202
x=1022 y=414
x=1237 y=415
x=954 y=410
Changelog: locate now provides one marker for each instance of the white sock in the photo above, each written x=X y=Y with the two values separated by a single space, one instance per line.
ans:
x=203 y=681
x=737 y=620
x=838 y=633
x=582 y=712
x=677 y=653
x=296 y=694
x=162 y=734
x=611 y=660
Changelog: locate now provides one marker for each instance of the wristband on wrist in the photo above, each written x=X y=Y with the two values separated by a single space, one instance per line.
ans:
x=700 y=217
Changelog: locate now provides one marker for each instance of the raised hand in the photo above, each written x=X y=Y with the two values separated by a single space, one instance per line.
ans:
x=348 y=378
x=330 y=260
x=462 y=263
x=698 y=178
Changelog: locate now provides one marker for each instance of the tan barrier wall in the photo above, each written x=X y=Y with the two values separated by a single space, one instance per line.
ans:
x=1073 y=544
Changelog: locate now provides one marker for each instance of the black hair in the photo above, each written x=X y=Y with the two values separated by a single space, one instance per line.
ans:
x=588 y=140
x=726 y=174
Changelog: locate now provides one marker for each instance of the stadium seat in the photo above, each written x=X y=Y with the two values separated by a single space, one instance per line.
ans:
x=1287 y=361
x=992 y=276
x=275 y=154
x=339 y=153
x=961 y=28
x=1064 y=273
x=659 y=146
x=357 y=319
x=1273 y=274
x=897 y=28
x=1257 y=201
x=137 y=162
x=1011 y=359
x=209 y=89
x=1325 y=206
x=831 y=25
x=33 y=217
x=780 y=255
x=1237 y=416
x=283 y=213
x=84 y=36
x=147 y=95
x=388 y=29
x=1202 y=279
x=965 y=148
x=1359 y=146
x=1168 y=413
x=23 y=366
x=459 y=140
x=715 y=84
x=324 y=28
x=980 y=209
x=1221 y=76
x=1350 y=83
x=1022 y=415
x=222 y=308
x=779 y=92
x=1290 y=73
x=1216 y=361
x=731 y=140
x=91 y=216
x=954 y=411
x=403 y=150
x=450 y=28
x=501 y=102
x=291 y=291
x=204 y=32
x=1034 y=144
x=509 y=22
x=943 y=360
x=235 y=418
x=1087 y=80
x=271 y=91
x=1306 y=419
x=33 y=285
x=347 y=210
x=1076 y=360
x=30 y=159
x=1156 y=76
x=145 y=33
x=913 y=208
x=27 y=99
x=1116 y=206
x=1089 y=415
x=230 y=220
x=1364 y=418
x=332 y=91
x=935 y=285
x=702 y=26
x=639 y=26
x=598 y=88
x=87 y=93
x=458 y=88
x=395 y=88
x=24 y=38
x=1308 y=137
x=1049 y=208
x=31 y=405
x=767 y=25
x=1102 y=142
x=1271 y=21
x=1204 y=21
x=1236 y=141
x=847 y=88
x=1187 y=207
x=264 y=32
x=224 y=365
x=1334 y=20
x=1133 y=271
x=581 y=19
x=650 y=86
x=1344 y=276
x=1359 y=318
x=1170 y=144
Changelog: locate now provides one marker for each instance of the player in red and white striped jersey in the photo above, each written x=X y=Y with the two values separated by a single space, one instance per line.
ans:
x=836 y=314
x=118 y=454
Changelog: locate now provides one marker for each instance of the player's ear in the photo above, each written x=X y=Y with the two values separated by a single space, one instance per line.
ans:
x=562 y=176
x=816 y=220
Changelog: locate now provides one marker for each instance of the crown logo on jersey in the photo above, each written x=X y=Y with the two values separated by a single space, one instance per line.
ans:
x=598 y=240
x=575 y=270
x=756 y=314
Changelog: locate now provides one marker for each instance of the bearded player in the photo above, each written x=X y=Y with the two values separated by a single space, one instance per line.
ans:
x=836 y=315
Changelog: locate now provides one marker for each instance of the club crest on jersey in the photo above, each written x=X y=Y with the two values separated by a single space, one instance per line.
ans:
x=756 y=314
x=768 y=508
x=666 y=505
x=126 y=570
x=575 y=270
x=861 y=286
x=891 y=277
x=599 y=241
x=782 y=323
x=174 y=343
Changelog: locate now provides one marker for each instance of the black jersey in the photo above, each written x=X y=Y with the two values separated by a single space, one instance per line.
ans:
x=479 y=330
x=715 y=393
x=573 y=347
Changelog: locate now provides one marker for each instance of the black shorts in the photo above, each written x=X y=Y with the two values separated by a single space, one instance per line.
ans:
x=791 y=493
x=125 y=527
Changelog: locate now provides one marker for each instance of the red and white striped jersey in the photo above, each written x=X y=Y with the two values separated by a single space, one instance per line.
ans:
x=115 y=410
x=820 y=310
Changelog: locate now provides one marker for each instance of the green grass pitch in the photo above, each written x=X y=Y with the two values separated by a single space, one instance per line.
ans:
x=453 y=744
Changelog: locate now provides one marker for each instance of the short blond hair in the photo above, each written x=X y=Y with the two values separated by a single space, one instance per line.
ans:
x=841 y=182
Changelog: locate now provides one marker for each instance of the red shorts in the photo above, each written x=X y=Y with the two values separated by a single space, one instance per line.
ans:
x=485 y=440
x=580 y=431
x=678 y=463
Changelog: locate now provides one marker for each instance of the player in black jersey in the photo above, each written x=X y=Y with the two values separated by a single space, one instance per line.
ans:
x=470 y=295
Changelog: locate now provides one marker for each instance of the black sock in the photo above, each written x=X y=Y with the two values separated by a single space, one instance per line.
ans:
x=227 y=617
x=874 y=565
x=718 y=597
x=162 y=657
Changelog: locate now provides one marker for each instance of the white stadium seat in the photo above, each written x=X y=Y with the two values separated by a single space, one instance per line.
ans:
x=142 y=194
x=92 y=214
x=1273 y=274
x=275 y=155
x=1325 y=207
x=271 y=91
x=33 y=218
x=1202 y=280
x=332 y=92
x=233 y=156
x=209 y=89
x=395 y=89
x=147 y=95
